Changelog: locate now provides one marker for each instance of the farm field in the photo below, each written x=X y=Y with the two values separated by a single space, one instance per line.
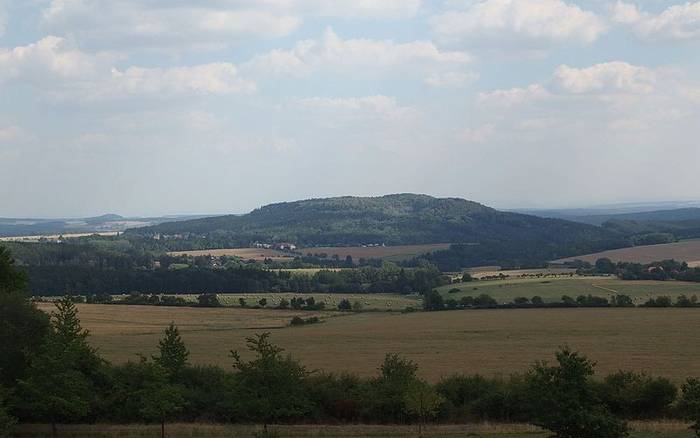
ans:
x=642 y=430
x=376 y=252
x=257 y=254
x=552 y=289
x=368 y=301
x=490 y=271
x=491 y=342
x=686 y=250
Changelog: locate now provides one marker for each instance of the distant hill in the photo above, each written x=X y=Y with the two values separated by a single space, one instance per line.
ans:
x=674 y=215
x=486 y=235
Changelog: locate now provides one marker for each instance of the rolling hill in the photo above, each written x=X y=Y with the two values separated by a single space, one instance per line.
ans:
x=481 y=235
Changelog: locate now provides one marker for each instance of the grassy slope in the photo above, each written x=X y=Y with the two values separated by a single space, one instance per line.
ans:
x=551 y=289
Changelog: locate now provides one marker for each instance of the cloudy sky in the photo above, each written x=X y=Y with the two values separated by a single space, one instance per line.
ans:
x=145 y=107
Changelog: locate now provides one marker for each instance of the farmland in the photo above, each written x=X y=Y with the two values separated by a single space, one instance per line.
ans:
x=257 y=254
x=686 y=250
x=368 y=301
x=394 y=253
x=658 y=341
x=552 y=289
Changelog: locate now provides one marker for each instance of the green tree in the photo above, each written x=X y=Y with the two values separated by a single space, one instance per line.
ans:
x=344 y=305
x=271 y=386
x=11 y=279
x=58 y=387
x=263 y=302
x=563 y=400
x=173 y=351
x=160 y=400
x=22 y=325
x=423 y=402
x=388 y=396
x=690 y=403
x=7 y=422
x=432 y=300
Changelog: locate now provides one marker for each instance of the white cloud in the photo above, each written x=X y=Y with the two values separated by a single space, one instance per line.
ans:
x=49 y=58
x=11 y=134
x=333 y=52
x=63 y=71
x=216 y=78
x=604 y=80
x=163 y=25
x=451 y=79
x=208 y=24
x=506 y=20
x=611 y=77
x=381 y=106
x=513 y=96
x=678 y=22
x=388 y=9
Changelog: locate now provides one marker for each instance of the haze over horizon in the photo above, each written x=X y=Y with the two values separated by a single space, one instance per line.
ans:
x=159 y=108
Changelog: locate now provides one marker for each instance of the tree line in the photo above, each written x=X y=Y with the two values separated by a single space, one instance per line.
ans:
x=85 y=280
x=659 y=270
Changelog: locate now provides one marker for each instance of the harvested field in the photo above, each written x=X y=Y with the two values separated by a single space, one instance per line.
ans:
x=376 y=252
x=658 y=341
x=642 y=430
x=686 y=250
x=552 y=289
x=258 y=254
x=368 y=301
x=493 y=271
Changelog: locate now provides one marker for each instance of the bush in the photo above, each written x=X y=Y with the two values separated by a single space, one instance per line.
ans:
x=638 y=396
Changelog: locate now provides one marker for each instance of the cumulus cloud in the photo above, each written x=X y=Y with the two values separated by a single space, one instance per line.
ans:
x=215 y=78
x=177 y=25
x=164 y=25
x=451 y=79
x=605 y=79
x=369 y=106
x=611 y=77
x=678 y=22
x=49 y=58
x=532 y=20
x=56 y=66
x=333 y=52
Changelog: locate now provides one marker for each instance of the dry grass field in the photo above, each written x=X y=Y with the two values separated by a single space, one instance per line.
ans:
x=659 y=341
x=642 y=430
x=368 y=301
x=552 y=289
x=686 y=250
x=491 y=271
x=376 y=252
x=258 y=254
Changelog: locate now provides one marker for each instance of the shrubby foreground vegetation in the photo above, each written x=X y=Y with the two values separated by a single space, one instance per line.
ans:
x=50 y=374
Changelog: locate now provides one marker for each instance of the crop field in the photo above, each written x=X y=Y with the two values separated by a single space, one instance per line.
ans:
x=368 y=301
x=491 y=271
x=552 y=289
x=376 y=252
x=641 y=430
x=491 y=342
x=686 y=250
x=258 y=254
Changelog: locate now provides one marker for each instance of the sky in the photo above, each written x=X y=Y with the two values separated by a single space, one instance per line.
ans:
x=154 y=107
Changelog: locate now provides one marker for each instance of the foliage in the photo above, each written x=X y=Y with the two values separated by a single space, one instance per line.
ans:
x=270 y=386
x=422 y=402
x=690 y=403
x=637 y=396
x=563 y=401
x=173 y=352
x=7 y=422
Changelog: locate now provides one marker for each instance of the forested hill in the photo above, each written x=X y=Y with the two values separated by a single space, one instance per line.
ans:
x=395 y=220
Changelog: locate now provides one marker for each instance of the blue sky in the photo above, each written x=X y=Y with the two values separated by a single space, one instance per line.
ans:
x=149 y=107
